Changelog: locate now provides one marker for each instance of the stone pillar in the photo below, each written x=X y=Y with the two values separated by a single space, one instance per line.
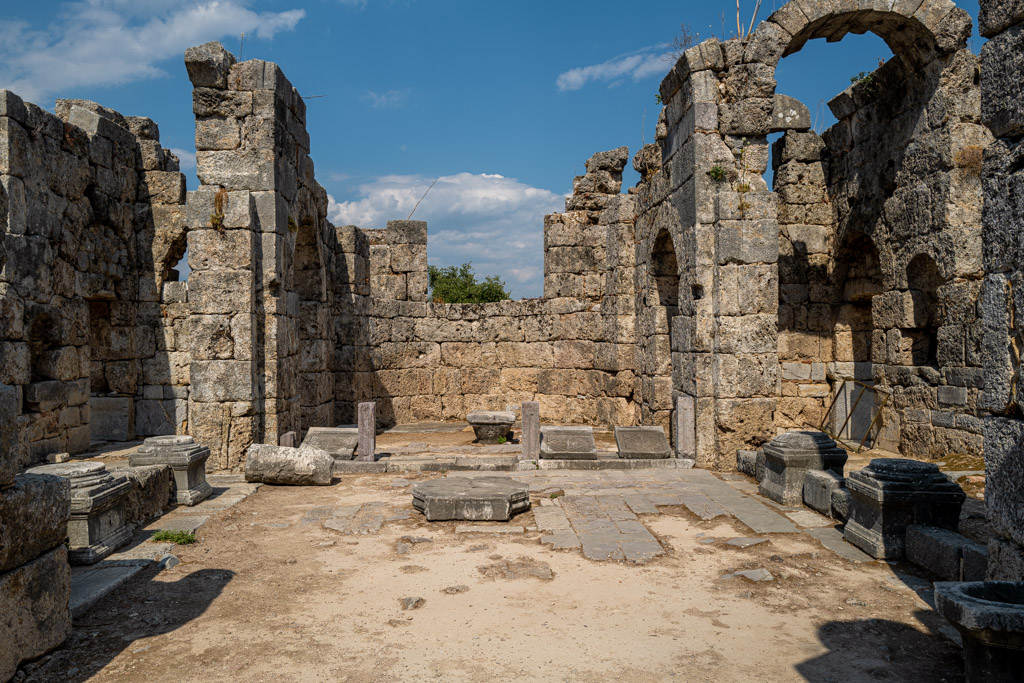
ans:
x=1002 y=110
x=531 y=430
x=686 y=427
x=367 y=432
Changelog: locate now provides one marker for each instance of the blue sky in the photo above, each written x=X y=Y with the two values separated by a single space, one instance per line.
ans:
x=503 y=102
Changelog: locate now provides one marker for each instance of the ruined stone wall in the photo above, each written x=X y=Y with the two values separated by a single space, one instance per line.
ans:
x=571 y=350
x=260 y=249
x=771 y=299
x=91 y=208
x=904 y=179
x=1002 y=302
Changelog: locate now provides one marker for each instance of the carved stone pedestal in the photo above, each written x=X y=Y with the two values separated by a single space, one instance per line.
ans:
x=97 y=525
x=787 y=459
x=187 y=460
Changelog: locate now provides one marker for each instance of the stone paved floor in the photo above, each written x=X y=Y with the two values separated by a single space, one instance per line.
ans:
x=601 y=513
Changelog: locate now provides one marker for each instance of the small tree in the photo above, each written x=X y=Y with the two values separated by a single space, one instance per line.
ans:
x=458 y=285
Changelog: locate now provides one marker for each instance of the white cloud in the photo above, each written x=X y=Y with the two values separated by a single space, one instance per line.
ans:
x=112 y=42
x=496 y=223
x=645 y=63
x=186 y=159
x=391 y=98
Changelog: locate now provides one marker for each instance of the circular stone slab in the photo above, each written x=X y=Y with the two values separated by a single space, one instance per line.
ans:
x=478 y=499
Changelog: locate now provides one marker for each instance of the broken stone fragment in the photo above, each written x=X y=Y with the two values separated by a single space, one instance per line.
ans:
x=208 y=65
x=303 y=466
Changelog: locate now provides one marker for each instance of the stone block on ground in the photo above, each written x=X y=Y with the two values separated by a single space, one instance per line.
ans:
x=33 y=518
x=647 y=443
x=97 y=525
x=746 y=462
x=940 y=551
x=34 y=614
x=891 y=494
x=819 y=485
x=340 y=442
x=789 y=456
x=303 y=466
x=112 y=418
x=494 y=499
x=841 y=501
x=567 y=443
x=151 y=492
x=187 y=461
x=491 y=426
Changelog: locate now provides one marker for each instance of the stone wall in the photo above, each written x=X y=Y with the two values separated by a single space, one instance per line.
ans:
x=1002 y=303
x=91 y=230
x=35 y=579
x=778 y=296
x=571 y=350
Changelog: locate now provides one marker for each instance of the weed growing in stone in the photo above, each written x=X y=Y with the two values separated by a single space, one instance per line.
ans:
x=718 y=173
x=175 y=537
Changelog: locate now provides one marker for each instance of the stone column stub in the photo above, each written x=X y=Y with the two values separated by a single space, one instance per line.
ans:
x=531 y=430
x=367 y=447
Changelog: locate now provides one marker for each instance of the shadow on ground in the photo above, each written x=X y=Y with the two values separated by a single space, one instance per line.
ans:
x=141 y=609
x=883 y=650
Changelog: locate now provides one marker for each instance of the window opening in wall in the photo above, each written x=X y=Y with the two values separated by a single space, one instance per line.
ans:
x=180 y=271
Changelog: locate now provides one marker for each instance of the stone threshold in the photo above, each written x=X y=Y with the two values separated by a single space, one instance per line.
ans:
x=447 y=463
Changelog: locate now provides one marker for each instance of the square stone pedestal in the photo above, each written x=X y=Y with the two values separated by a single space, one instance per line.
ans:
x=187 y=460
x=787 y=459
x=889 y=495
x=642 y=443
x=97 y=525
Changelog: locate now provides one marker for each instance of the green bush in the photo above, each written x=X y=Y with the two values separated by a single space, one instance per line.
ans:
x=458 y=285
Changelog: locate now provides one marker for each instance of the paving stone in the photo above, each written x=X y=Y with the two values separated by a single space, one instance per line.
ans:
x=466 y=529
x=702 y=506
x=759 y=518
x=561 y=539
x=640 y=505
x=601 y=546
x=90 y=584
x=746 y=542
x=755 y=575
x=550 y=518
x=190 y=523
x=807 y=518
x=641 y=550
x=833 y=539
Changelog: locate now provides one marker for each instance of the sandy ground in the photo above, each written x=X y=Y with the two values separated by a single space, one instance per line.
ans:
x=270 y=594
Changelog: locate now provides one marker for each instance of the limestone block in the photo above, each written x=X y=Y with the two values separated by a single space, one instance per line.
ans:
x=819 y=487
x=340 y=442
x=1004 y=468
x=150 y=492
x=34 y=614
x=303 y=466
x=531 y=430
x=942 y=553
x=476 y=499
x=33 y=518
x=642 y=442
x=1002 y=103
x=749 y=117
x=217 y=134
x=567 y=443
x=208 y=65
x=998 y=15
x=112 y=418
x=10 y=442
x=789 y=113
x=407 y=232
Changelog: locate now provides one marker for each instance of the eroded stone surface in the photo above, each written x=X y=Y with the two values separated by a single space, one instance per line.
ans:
x=303 y=466
x=567 y=443
x=642 y=442
x=478 y=499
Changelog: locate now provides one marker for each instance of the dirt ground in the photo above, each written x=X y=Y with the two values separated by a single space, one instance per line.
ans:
x=270 y=594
